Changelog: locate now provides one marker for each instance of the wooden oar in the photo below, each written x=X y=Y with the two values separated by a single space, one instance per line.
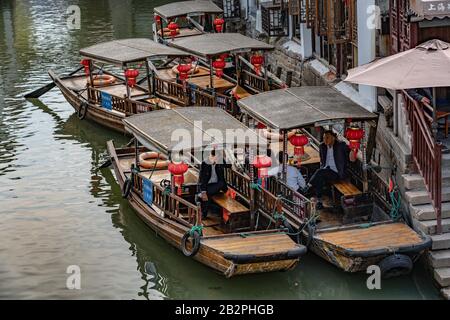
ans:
x=39 y=92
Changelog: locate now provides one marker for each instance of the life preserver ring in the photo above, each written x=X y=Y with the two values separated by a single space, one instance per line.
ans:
x=82 y=110
x=147 y=160
x=194 y=69
x=102 y=79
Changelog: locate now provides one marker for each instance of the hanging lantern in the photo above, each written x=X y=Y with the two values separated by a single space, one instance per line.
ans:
x=131 y=75
x=183 y=70
x=299 y=141
x=218 y=66
x=158 y=19
x=218 y=24
x=173 y=27
x=262 y=163
x=86 y=63
x=354 y=136
x=257 y=61
x=178 y=170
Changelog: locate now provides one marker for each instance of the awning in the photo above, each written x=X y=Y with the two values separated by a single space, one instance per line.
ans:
x=121 y=52
x=430 y=9
x=212 y=44
x=183 y=8
x=298 y=107
x=190 y=128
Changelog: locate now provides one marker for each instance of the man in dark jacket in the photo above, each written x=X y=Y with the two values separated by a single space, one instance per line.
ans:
x=334 y=155
x=211 y=179
x=423 y=95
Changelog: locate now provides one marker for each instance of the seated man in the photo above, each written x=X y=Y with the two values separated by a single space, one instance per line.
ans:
x=211 y=179
x=294 y=179
x=334 y=155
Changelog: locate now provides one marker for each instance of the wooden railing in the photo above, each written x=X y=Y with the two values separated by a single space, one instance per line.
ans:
x=200 y=98
x=125 y=105
x=238 y=182
x=253 y=81
x=293 y=201
x=426 y=153
x=171 y=204
x=227 y=103
x=172 y=90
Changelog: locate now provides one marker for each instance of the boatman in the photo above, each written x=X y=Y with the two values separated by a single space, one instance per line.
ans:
x=334 y=155
x=211 y=179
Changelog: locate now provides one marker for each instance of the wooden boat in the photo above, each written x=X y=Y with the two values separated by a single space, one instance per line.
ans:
x=355 y=230
x=108 y=102
x=191 y=18
x=232 y=246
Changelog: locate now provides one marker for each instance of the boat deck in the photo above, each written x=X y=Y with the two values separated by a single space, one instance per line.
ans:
x=256 y=244
x=390 y=235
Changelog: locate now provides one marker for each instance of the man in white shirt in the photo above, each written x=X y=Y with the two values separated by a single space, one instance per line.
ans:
x=294 y=179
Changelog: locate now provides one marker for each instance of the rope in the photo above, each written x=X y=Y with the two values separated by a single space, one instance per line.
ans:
x=255 y=186
x=396 y=204
x=199 y=230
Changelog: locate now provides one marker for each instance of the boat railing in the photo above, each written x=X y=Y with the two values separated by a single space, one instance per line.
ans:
x=254 y=81
x=227 y=103
x=172 y=90
x=426 y=152
x=140 y=107
x=293 y=201
x=168 y=202
x=200 y=98
x=238 y=182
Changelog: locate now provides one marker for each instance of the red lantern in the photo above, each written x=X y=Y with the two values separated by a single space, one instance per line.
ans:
x=131 y=75
x=218 y=24
x=183 y=69
x=178 y=170
x=299 y=141
x=257 y=61
x=354 y=136
x=86 y=63
x=173 y=27
x=218 y=66
x=262 y=163
x=157 y=18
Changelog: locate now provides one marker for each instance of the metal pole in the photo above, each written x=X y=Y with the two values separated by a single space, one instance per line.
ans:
x=434 y=126
x=238 y=70
x=149 y=82
x=285 y=155
x=266 y=76
x=136 y=153
x=211 y=74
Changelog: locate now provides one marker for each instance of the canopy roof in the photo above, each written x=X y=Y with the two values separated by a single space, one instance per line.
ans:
x=121 y=52
x=211 y=44
x=183 y=8
x=189 y=128
x=427 y=65
x=297 y=107
x=430 y=9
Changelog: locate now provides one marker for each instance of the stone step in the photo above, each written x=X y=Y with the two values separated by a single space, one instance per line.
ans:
x=440 y=258
x=440 y=241
x=446 y=160
x=414 y=181
x=429 y=226
x=442 y=276
x=416 y=197
x=426 y=211
x=445 y=292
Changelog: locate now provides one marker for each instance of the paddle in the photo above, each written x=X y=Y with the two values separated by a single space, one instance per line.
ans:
x=39 y=92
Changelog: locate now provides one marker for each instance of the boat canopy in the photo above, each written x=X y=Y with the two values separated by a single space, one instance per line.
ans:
x=190 y=128
x=183 y=8
x=212 y=44
x=121 y=52
x=297 y=107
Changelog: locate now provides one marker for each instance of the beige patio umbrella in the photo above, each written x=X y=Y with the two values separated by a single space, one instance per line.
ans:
x=425 y=66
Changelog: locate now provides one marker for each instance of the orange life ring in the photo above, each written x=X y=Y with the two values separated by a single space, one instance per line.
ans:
x=103 y=79
x=193 y=70
x=145 y=160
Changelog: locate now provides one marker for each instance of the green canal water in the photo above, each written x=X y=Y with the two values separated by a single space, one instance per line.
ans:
x=57 y=209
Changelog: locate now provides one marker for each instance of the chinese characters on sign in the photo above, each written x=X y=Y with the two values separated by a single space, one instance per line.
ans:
x=436 y=7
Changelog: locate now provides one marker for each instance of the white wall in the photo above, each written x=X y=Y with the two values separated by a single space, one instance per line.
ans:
x=366 y=46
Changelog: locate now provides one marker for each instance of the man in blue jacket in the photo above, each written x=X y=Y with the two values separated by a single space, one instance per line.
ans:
x=334 y=155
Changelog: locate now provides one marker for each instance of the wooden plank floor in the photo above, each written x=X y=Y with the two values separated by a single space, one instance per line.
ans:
x=253 y=244
x=376 y=237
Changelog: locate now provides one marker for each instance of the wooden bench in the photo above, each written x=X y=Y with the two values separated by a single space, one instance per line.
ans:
x=239 y=217
x=345 y=188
